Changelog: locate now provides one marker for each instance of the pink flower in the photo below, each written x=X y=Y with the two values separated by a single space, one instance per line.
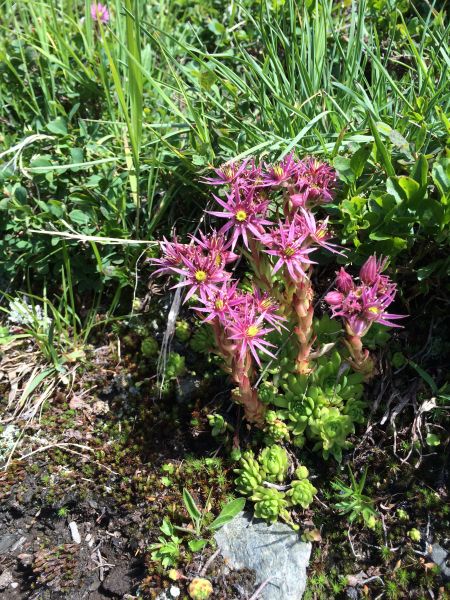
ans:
x=99 y=13
x=245 y=327
x=173 y=253
x=201 y=273
x=245 y=213
x=281 y=173
x=334 y=298
x=315 y=184
x=287 y=242
x=317 y=233
x=268 y=307
x=362 y=305
x=215 y=243
x=221 y=302
x=227 y=173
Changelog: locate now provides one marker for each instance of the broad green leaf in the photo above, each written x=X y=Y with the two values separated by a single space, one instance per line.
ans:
x=79 y=217
x=441 y=177
x=197 y=545
x=344 y=169
x=420 y=171
x=359 y=160
x=167 y=527
x=228 y=513
x=399 y=141
x=58 y=126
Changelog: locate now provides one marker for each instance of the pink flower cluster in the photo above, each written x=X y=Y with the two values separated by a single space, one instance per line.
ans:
x=202 y=269
x=365 y=303
x=249 y=218
x=268 y=212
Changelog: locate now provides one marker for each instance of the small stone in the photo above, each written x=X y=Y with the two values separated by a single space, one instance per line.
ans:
x=174 y=591
x=6 y=579
x=6 y=542
x=14 y=585
x=275 y=553
x=74 y=532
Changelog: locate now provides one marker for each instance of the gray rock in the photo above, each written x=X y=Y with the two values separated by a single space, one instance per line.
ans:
x=439 y=557
x=274 y=552
x=6 y=542
x=6 y=579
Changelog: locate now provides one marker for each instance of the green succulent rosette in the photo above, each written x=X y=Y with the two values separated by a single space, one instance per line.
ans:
x=269 y=504
x=249 y=475
x=203 y=340
x=274 y=463
x=276 y=429
x=301 y=493
x=331 y=428
x=182 y=331
x=175 y=366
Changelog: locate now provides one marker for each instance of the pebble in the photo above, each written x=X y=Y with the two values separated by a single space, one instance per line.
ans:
x=174 y=591
x=74 y=532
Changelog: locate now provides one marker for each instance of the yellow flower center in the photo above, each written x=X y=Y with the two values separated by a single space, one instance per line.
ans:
x=267 y=303
x=219 y=304
x=374 y=310
x=278 y=170
x=200 y=276
x=241 y=215
x=289 y=251
x=252 y=330
x=218 y=260
x=320 y=234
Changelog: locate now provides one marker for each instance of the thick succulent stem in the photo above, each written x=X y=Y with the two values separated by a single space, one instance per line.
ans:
x=360 y=360
x=241 y=374
x=245 y=394
x=304 y=310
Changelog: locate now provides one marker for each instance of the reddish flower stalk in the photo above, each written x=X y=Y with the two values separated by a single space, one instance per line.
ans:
x=245 y=394
x=304 y=310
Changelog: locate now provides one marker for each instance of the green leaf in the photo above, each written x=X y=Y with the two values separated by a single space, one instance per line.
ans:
x=191 y=506
x=167 y=527
x=398 y=140
x=58 y=126
x=229 y=511
x=197 y=545
x=433 y=439
x=79 y=217
x=359 y=160
x=381 y=149
x=344 y=168
x=77 y=157
x=425 y=376
x=420 y=171
x=441 y=176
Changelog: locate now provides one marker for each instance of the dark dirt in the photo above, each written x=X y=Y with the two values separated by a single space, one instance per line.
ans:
x=114 y=493
x=103 y=469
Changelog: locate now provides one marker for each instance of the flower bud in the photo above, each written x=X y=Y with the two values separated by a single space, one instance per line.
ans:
x=344 y=281
x=369 y=271
x=334 y=298
x=298 y=200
